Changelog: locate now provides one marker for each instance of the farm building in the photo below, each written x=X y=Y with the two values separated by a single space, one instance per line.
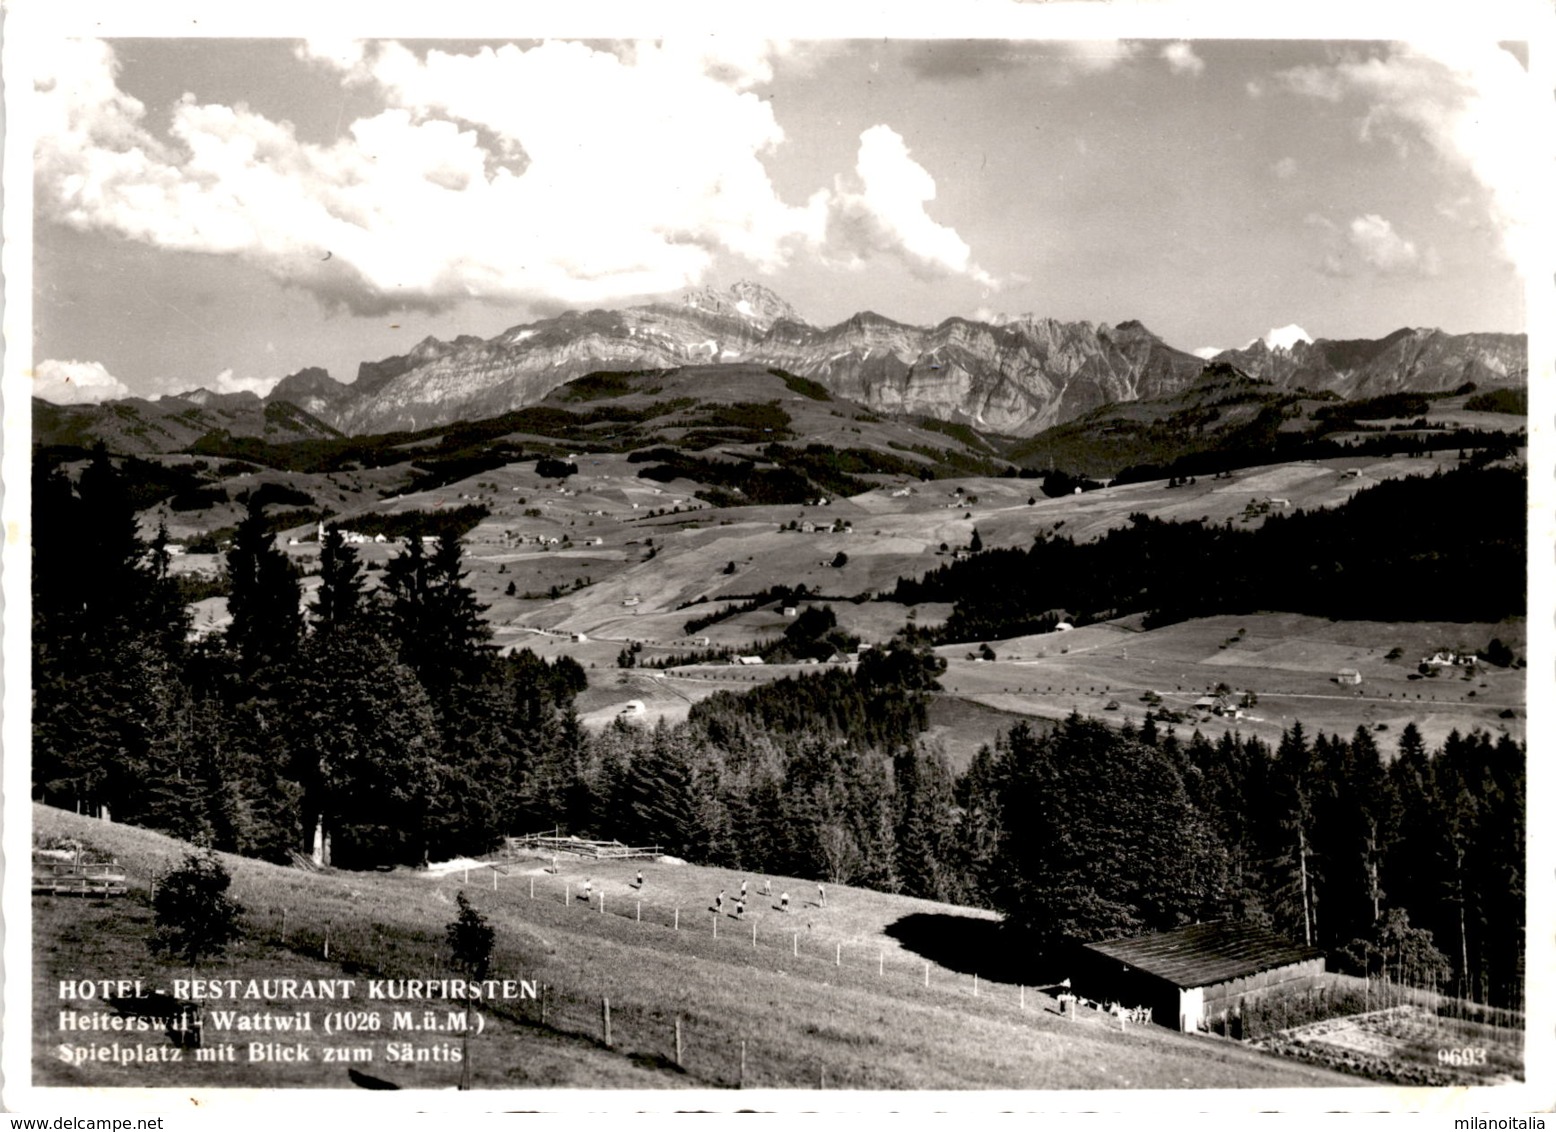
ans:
x=1347 y=676
x=1196 y=974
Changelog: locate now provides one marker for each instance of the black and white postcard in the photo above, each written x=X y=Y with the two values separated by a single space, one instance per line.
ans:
x=572 y=563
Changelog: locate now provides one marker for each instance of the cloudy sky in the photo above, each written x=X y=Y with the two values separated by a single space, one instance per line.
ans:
x=220 y=213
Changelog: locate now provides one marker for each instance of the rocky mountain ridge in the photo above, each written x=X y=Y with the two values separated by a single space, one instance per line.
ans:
x=1017 y=378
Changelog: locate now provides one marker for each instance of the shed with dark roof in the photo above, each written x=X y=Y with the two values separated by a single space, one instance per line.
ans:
x=1198 y=973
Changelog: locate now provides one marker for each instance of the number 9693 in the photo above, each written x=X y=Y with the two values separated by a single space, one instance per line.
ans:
x=1469 y=1055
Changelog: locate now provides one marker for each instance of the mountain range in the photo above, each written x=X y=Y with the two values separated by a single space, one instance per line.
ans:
x=1017 y=377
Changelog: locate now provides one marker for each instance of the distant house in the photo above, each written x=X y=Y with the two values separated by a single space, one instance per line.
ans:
x=749 y=660
x=580 y=638
x=1198 y=975
x=1063 y=627
x=1347 y=676
x=1220 y=703
x=632 y=601
x=790 y=611
x=807 y=527
x=1277 y=501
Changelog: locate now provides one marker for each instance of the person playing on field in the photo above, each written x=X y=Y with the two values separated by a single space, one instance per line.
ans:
x=718 y=901
x=640 y=878
x=743 y=884
x=767 y=886
x=784 y=900
x=821 y=892
x=588 y=889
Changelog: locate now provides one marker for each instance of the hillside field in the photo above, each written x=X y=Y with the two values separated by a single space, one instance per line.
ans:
x=632 y=573
x=832 y=997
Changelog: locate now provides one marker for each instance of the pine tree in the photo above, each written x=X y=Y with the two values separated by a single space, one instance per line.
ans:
x=340 y=597
x=926 y=826
x=433 y=615
x=265 y=601
x=195 y=917
x=1099 y=838
x=365 y=746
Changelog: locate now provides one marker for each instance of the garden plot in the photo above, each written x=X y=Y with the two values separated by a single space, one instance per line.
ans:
x=1409 y=1045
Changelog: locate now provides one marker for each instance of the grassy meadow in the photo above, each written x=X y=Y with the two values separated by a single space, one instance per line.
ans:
x=832 y=997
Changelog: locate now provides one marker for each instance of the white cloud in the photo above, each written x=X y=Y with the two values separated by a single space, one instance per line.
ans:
x=1285 y=337
x=76 y=383
x=555 y=174
x=1473 y=104
x=1206 y=352
x=1181 y=58
x=1380 y=246
x=225 y=382
x=992 y=317
x=880 y=210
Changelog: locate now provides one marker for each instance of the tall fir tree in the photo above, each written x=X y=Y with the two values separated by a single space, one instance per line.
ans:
x=265 y=601
x=340 y=600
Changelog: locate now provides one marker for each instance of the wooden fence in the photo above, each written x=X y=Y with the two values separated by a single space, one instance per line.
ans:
x=68 y=873
x=602 y=850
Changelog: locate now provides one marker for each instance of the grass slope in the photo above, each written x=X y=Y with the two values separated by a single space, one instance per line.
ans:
x=834 y=995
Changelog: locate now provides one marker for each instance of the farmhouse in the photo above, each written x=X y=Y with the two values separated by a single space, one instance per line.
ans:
x=1347 y=676
x=1198 y=974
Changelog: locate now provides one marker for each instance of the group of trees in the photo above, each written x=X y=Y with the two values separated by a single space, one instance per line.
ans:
x=1371 y=558
x=377 y=726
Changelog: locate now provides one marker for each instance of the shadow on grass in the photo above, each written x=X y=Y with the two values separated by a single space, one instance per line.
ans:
x=972 y=946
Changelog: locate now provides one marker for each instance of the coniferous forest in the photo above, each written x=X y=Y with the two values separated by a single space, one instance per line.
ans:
x=380 y=724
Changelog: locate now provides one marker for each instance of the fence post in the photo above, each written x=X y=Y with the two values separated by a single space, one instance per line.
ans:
x=467 y=876
x=742 y=1063
x=640 y=911
x=1023 y=997
x=839 y=961
x=494 y=878
x=880 y=968
x=532 y=888
x=602 y=902
x=715 y=925
x=677 y=919
x=926 y=974
x=605 y=1009
x=326 y=940
x=678 y=1043
x=753 y=937
x=975 y=984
